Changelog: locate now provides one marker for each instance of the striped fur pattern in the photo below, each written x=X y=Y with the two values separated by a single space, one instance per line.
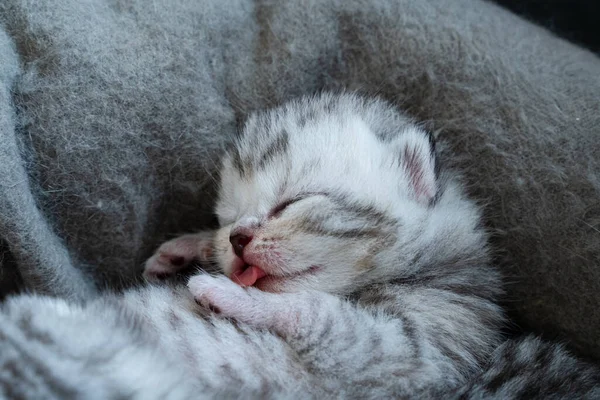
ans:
x=378 y=284
x=375 y=261
x=152 y=343
x=529 y=368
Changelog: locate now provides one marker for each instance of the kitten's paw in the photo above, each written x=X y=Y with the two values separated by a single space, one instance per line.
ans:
x=176 y=254
x=218 y=293
x=221 y=295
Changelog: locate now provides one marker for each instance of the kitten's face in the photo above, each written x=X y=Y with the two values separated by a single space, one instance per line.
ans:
x=315 y=199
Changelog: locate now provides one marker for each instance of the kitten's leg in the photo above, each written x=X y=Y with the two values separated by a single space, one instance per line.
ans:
x=178 y=253
x=291 y=315
x=331 y=336
x=419 y=344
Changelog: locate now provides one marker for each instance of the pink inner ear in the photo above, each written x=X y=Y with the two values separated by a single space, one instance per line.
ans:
x=421 y=171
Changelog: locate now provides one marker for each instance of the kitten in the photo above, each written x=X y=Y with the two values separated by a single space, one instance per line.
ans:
x=376 y=262
x=354 y=267
x=379 y=264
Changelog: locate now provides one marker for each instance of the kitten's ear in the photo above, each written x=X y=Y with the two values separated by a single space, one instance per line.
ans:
x=418 y=161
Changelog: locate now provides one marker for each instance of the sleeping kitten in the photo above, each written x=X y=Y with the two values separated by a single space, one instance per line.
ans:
x=354 y=268
x=378 y=262
x=379 y=265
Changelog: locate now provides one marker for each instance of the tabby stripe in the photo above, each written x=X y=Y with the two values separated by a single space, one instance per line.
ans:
x=236 y=160
x=410 y=332
x=41 y=371
x=278 y=147
x=346 y=234
x=174 y=320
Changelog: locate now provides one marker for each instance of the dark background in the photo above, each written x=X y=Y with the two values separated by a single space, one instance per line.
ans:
x=575 y=20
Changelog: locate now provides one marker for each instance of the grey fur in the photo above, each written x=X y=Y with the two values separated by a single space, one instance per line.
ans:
x=529 y=368
x=122 y=109
x=130 y=348
x=44 y=262
x=419 y=323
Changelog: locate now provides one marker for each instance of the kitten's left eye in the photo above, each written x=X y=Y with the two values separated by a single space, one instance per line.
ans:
x=277 y=210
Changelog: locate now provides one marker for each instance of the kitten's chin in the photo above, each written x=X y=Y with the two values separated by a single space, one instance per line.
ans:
x=277 y=284
x=289 y=283
x=270 y=284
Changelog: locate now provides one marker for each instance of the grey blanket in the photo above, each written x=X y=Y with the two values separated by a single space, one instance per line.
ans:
x=113 y=114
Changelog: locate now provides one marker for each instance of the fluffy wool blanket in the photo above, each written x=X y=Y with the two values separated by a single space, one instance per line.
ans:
x=113 y=114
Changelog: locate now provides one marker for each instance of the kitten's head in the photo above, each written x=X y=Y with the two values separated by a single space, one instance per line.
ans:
x=333 y=192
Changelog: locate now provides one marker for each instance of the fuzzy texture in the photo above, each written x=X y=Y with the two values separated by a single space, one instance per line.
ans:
x=153 y=343
x=42 y=259
x=338 y=197
x=375 y=283
x=528 y=368
x=120 y=109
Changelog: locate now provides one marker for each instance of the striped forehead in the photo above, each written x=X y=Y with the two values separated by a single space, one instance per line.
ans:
x=254 y=154
x=301 y=144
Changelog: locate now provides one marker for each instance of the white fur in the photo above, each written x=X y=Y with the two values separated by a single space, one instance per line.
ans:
x=367 y=209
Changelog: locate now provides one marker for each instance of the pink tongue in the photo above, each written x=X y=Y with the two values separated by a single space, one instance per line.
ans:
x=249 y=276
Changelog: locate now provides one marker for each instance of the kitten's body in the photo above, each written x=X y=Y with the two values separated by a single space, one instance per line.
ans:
x=373 y=273
x=152 y=343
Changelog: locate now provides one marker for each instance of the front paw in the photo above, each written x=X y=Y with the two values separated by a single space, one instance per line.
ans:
x=223 y=296
x=177 y=254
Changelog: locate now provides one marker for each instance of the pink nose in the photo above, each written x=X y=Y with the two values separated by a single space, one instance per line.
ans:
x=238 y=242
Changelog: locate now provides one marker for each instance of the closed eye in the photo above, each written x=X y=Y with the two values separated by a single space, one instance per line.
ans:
x=279 y=208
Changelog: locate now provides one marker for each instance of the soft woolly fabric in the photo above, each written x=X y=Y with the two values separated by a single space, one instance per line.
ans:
x=113 y=115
